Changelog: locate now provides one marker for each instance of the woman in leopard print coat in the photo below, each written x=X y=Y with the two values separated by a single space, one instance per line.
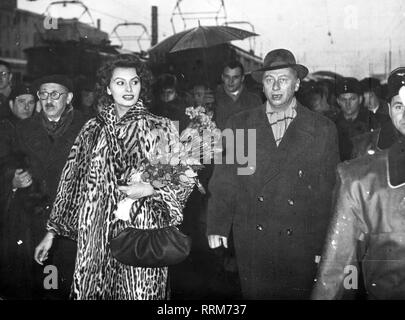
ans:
x=104 y=153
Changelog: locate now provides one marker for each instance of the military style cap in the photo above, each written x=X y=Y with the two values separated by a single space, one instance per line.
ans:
x=396 y=81
x=348 y=85
x=370 y=84
x=21 y=89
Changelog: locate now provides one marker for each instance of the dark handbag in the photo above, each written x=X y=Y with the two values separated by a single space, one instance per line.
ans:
x=150 y=247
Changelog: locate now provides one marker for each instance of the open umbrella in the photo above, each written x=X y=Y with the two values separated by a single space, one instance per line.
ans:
x=201 y=37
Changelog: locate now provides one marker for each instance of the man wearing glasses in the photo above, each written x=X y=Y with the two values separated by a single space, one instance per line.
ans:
x=45 y=140
x=5 y=88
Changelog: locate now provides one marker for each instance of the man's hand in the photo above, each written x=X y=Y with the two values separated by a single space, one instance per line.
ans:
x=216 y=241
x=41 y=251
x=21 y=179
x=137 y=190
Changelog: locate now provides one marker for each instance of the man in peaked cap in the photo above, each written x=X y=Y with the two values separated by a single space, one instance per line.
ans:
x=278 y=207
x=21 y=104
x=22 y=101
x=354 y=120
x=43 y=143
x=367 y=230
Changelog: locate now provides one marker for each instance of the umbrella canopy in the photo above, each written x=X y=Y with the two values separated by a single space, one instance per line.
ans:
x=201 y=37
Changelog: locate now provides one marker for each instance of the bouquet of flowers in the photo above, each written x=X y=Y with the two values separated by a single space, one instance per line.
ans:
x=179 y=158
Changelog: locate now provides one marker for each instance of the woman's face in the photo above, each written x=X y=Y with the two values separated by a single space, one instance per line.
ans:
x=125 y=86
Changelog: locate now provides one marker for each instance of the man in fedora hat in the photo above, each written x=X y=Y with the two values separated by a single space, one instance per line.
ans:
x=279 y=211
x=367 y=229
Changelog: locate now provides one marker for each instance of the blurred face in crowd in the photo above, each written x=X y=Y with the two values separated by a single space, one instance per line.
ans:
x=87 y=98
x=5 y=77
x=280 y=86
x=168 y=94
x=23 y=106
x=315 y=102
x=125 y=87
x=350 y=104
x=318 y=102
x=232 y=79
x=199 y=94
x=370 y=100
x=52 y=106
x=397 y=113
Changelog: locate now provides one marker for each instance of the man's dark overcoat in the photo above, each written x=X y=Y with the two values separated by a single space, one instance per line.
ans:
x=279 y=214
x=44 y=157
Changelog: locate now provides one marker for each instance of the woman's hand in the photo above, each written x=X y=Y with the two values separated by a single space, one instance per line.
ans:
x=21 y=179
x=41 y=251
x=137 y=190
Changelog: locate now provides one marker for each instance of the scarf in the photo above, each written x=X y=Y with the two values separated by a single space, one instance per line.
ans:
x=56 y=129
x=280 y=120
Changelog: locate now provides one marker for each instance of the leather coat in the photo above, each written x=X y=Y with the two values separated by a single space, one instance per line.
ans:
x=367 y=231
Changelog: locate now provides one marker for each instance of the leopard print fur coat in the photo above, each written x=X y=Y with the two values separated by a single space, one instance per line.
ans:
x=87 y=198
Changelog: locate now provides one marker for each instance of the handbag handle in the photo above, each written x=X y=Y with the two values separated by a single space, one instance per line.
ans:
x=136 y=214
x=140 y=205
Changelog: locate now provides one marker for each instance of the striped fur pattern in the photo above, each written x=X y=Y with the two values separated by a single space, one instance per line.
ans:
x=88 y=195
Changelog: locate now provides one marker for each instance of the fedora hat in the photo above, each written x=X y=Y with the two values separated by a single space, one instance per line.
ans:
x=279 y=59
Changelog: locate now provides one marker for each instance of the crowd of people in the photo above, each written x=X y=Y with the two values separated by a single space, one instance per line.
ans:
x=325 y=192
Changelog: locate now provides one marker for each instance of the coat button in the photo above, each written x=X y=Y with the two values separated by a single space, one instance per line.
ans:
x=290 y=202
x=259 y=227
x=261 y=199
x=370 y=151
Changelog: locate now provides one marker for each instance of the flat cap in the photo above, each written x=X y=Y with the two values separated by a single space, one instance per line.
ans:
x=61 y=79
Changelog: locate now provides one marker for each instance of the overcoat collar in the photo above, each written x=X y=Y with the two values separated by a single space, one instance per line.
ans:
x=37 y=140
x=272 y=159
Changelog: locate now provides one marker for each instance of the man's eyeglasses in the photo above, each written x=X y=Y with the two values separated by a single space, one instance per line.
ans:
x=55 y=95
x=4 y=74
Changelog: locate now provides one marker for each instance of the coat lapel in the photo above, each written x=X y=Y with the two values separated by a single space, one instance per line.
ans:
x=36 y=139
x=267 y=162
x=298 y=137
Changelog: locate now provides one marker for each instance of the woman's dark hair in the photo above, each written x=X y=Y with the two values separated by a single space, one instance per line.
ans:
x=105 y=72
